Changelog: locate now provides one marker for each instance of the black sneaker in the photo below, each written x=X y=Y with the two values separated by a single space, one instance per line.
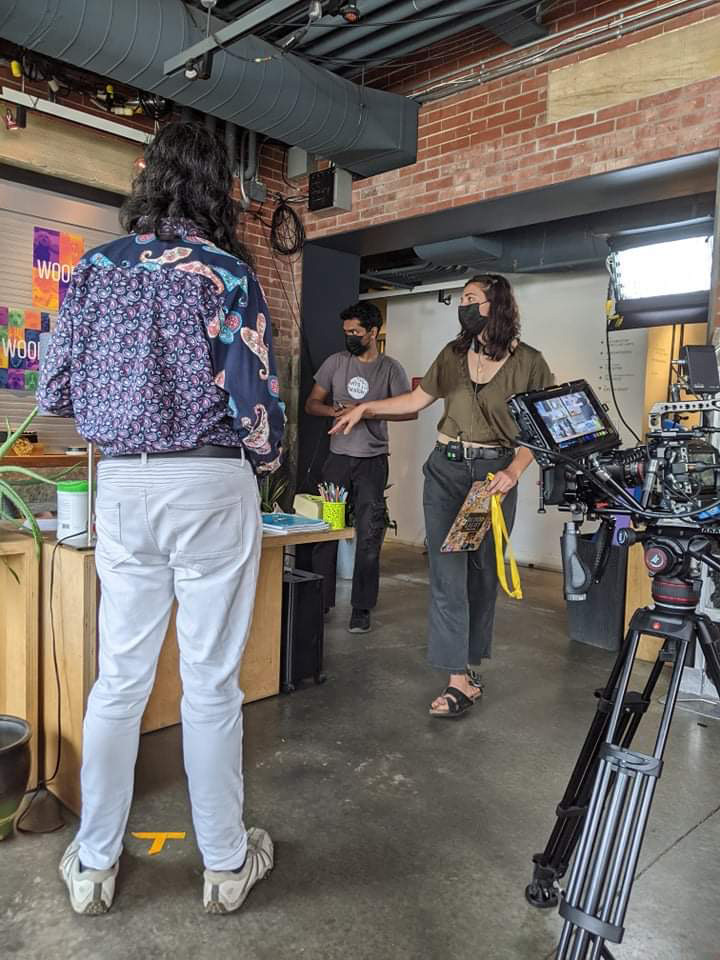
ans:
x=359 y=621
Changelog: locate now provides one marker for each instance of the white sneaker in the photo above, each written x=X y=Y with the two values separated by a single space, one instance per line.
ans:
x=91 y=891
x=225 y=891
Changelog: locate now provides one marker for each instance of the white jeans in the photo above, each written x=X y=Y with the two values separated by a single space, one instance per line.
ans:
x=185 y=528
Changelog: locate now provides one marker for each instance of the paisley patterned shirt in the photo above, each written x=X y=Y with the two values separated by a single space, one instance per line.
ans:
x=165 y=344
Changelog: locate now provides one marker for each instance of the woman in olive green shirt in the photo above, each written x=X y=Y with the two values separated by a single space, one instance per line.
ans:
x=475 y=375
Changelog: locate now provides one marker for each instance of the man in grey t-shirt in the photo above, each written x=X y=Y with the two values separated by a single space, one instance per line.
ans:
x=359 y=461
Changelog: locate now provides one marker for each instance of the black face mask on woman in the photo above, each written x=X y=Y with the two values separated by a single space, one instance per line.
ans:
x=355 y=345
x=472 y=322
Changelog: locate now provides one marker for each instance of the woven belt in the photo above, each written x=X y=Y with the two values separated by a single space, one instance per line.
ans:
x=210 y=450
x=481 y=453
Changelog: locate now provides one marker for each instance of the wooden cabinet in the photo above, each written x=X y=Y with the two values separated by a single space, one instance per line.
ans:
x=19 y=577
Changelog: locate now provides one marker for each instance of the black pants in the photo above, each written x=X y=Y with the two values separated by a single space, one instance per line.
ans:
x=463 y=586
x=365 y=479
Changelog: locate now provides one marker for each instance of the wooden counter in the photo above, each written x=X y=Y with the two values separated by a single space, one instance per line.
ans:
x=44 y=460
x=70 y=636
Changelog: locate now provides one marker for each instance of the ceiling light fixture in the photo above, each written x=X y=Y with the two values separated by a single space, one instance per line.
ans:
x=68 y=113
x=350 y=12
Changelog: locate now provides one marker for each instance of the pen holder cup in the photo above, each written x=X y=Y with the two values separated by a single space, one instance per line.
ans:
x=334 y=515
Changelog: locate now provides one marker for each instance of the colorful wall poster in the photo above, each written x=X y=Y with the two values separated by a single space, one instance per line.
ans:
x=20 y=332
x=54 y=256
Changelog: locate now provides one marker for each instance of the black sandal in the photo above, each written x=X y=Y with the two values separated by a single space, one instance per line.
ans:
x=457 y=704
x=476 y=681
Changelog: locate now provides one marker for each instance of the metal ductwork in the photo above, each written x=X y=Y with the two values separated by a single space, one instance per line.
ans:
x=461 y=250
x=363 y=130
x=574 y=243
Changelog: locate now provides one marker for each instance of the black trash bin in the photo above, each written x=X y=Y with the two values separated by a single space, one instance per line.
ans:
x=599 y=620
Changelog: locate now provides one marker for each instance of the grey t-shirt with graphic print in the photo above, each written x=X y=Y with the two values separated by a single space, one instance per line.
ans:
x=350 y=381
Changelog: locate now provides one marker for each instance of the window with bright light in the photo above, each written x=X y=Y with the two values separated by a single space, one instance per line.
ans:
x=659 y=269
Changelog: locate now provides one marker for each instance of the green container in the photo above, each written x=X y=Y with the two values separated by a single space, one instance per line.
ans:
x=334 y=515
x=73 y=486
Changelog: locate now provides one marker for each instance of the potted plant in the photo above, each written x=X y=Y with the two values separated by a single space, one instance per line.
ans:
x=272 y=489
x=15 y=736
x=10 y=493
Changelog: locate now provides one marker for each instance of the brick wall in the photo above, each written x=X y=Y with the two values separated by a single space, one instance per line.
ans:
x=494 y=139
x=281 y=280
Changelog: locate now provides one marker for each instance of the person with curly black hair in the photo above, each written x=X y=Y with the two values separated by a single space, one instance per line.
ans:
x=163 y=354
x=186 y=176
x=359 y=373
x=474 y=374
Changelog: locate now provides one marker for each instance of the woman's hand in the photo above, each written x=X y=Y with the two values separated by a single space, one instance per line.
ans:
x=503 y=481
x=347 y=419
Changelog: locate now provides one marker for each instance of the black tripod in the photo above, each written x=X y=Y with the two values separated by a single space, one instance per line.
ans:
x=605 y=808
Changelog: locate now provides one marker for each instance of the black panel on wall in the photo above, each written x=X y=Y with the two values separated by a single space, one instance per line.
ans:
x=330 y=282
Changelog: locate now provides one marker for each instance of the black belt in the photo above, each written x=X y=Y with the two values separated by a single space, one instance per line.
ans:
x=210 y=450
x=481 y=453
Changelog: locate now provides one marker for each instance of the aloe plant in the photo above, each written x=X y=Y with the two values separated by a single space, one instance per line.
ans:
x=11 y=493
x=272 y=489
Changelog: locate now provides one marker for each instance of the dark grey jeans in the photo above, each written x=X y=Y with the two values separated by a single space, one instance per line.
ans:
x=365 y=479
x=463 y=586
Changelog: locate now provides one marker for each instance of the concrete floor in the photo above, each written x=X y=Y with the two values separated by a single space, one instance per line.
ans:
x=397 y=836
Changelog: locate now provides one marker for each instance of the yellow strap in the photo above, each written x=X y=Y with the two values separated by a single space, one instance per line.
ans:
x=500 y=536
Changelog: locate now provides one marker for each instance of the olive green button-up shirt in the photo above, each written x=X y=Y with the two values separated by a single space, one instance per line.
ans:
x=479 y=413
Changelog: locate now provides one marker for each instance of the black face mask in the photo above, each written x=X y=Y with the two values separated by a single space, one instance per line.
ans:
x=471 y=320
x=355 y=345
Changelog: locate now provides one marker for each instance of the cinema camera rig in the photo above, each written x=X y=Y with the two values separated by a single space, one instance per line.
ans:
x=669 y=488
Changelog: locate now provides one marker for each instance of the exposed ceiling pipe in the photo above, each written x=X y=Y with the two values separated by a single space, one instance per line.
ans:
x=252 y=154
x=231 y=138
x=420 y=41
x=408 y=14
x=363 y=130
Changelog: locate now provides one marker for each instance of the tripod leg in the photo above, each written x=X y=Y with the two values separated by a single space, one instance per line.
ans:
x=551 y=864
x=709 y=637
x=603 y=873
x=631 y=719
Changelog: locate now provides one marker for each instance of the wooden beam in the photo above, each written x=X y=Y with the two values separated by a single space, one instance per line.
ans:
x=674 y=59
x=58 y=148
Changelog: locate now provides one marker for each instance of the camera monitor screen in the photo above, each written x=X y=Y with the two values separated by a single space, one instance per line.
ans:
x=570 y=418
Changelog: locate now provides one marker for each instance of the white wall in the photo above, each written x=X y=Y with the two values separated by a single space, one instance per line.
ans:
x=22 y=208
x=563 y=316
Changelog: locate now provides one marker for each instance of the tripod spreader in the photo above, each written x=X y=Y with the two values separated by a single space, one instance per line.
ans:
x=604 y=812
